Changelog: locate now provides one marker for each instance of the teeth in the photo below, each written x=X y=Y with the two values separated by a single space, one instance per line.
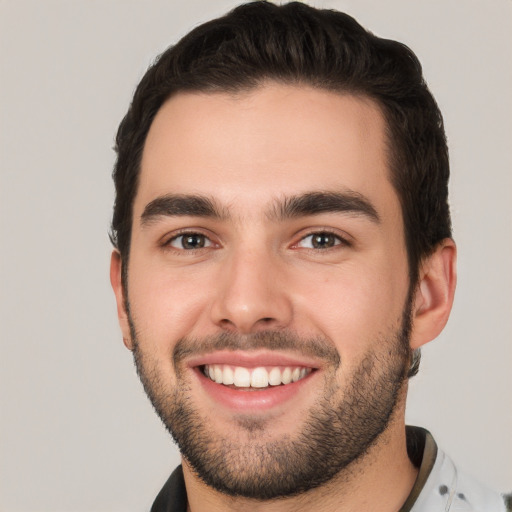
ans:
x=274 y=377
x=259 y=377
x=217 y=372
x=286 y=376
x=242 y=377
x=227 y=376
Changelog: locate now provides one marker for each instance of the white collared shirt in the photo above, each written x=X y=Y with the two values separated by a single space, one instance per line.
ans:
x=442 y=487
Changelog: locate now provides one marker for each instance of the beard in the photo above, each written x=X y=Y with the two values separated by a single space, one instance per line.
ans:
x=339 y=429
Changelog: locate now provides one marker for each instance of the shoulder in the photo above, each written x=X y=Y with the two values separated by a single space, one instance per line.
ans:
x=448 y=488
x=477 y=497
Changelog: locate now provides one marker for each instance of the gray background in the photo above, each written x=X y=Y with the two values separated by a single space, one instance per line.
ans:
x=77 y=433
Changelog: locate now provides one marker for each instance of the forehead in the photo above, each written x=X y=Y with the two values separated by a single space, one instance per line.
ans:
x=271 y=141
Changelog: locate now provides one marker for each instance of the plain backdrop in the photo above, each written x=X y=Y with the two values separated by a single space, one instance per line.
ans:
x=76 y=431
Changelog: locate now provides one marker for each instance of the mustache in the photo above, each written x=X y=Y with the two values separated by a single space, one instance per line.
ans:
x=318 y=348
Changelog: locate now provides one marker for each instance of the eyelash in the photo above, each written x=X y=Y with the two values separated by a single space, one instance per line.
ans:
x=183 y=235
x=338 y=242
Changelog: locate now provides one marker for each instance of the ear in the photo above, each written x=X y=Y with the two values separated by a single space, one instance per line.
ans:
x=117 y=285
x=434 y=293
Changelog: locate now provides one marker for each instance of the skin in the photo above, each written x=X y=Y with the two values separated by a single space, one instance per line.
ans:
x=261 y=273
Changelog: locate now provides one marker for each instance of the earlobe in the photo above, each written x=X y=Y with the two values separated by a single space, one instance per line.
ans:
x=117 y=285
x=434 y=293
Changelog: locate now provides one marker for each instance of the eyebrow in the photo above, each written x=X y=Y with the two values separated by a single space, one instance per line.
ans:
x=291 y=207
x=176 y=205
x=315 y=203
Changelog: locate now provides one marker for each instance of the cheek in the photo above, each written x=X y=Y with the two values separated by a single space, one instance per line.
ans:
x=165 y=305
x=353 y=306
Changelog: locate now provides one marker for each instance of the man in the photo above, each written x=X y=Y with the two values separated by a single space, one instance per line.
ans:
x=282 y=251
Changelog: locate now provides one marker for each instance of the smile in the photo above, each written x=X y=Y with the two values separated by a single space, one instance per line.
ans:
x=257 y=378
x=252 y=382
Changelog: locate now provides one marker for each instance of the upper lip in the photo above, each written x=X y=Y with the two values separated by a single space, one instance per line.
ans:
x=252 y=359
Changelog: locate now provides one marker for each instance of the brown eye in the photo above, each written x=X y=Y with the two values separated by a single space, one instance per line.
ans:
x=190 y=241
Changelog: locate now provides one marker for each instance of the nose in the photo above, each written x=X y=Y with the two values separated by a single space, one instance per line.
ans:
x=251 y=295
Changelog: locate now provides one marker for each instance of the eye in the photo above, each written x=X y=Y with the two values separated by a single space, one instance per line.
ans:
x=190 y=241
x=320 y=240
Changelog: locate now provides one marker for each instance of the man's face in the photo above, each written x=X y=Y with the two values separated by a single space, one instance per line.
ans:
x=267 y=245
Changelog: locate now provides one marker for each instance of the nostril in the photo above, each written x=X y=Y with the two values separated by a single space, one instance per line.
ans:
x=263 y=323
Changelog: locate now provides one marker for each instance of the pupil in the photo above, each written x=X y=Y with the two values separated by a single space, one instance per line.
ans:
x=323 y=240
x=193 y=241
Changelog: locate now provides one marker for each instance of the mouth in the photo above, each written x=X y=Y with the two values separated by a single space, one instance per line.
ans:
x=250 y=379
x=253 y=382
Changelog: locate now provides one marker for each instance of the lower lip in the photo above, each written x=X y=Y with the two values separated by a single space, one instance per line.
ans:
x=258 y=400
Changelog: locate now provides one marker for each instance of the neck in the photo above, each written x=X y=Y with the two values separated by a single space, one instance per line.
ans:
x=380 y=480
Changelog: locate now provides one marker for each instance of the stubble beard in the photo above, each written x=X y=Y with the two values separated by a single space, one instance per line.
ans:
x=338 y=430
